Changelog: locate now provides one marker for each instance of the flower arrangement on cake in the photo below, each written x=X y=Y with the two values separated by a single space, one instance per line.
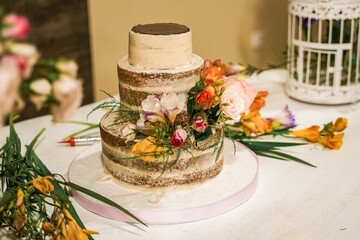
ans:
x=176 y=124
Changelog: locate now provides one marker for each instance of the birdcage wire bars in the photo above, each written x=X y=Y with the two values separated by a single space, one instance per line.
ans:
x=324 y=51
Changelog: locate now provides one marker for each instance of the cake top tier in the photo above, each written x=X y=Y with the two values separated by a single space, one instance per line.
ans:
x=160 y=46
x=161 y=28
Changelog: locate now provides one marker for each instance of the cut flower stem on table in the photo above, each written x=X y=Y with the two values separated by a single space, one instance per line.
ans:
x=31 y=192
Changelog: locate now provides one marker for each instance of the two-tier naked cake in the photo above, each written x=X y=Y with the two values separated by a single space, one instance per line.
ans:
x=160 y=61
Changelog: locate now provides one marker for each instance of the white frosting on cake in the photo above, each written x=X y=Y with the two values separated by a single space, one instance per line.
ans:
x=160 y=51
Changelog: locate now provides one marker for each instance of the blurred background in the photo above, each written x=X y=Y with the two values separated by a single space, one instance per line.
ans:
x=95 y=33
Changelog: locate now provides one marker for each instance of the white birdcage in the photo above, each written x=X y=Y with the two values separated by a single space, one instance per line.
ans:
x=324 y=51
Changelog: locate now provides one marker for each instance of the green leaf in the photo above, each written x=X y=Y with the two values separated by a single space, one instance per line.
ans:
x=284 y=156
x=204 y=135
x=103 y=199
x=8 y=195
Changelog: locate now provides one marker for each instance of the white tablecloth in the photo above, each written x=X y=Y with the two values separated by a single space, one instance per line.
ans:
x=292 y=201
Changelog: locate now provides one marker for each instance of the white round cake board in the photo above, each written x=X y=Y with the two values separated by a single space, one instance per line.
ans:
x=233 y=186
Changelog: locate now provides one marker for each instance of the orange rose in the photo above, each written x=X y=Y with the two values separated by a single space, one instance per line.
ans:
x=204 y=98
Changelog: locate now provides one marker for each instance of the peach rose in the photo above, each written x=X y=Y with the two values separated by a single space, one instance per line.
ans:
x=68 y=92
x=238 y=95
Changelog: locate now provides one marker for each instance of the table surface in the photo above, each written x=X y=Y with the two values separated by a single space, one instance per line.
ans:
x=292 y=201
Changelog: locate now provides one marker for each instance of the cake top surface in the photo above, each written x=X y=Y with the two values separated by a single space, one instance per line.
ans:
x=160 y=28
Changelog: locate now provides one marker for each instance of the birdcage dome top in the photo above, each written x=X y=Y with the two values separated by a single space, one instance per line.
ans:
x=325 y=9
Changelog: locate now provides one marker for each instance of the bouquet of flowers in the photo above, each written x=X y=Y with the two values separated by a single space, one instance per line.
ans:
x=45 y=82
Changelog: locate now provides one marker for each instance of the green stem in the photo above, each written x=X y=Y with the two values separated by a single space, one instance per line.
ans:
x=272 y=51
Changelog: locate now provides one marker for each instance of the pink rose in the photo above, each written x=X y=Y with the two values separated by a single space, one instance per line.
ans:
x=179 y=137
x=238 y=95
x=68 y=92
x=126 y=132
x=18 y=27
x=199 y=124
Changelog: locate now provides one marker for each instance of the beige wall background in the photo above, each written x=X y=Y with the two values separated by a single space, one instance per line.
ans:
x=230 y=30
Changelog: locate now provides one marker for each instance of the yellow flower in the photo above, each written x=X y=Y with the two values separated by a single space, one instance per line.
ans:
x=339 y=125
x=19 y=220
x=333 y=141
x=48 y=227
x=254 y=123
x=311 y=133
x=75 y=232
x=20 y=198
x=147 y=148
x=43 y=184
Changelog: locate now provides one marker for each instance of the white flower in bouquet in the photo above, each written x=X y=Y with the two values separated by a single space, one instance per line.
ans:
x=127 y=132
x=69 y=67
x=68 y=92
x=172 y=104
x=27 y=51
x=41 y=88
x=151 y=104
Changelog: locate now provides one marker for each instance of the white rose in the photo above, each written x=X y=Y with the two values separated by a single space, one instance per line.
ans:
x=26 y=50
x=173 y=101
x=151 y=104
x=38 y=100
x=41 y=86
x=127 y=132
x=69 y=67
x=236 y=104
x=9 y=82
x=68 y=92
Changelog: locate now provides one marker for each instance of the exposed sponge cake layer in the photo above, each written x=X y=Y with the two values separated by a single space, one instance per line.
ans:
x=186 y=170
x=137 y=83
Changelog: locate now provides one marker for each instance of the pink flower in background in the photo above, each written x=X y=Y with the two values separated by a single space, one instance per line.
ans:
x=179 y=137
x=25 y=51
x=9 y=86
x=68 y=93
x=199 y=124
x=19 y=61
x=238 y=95
x=18 y=27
